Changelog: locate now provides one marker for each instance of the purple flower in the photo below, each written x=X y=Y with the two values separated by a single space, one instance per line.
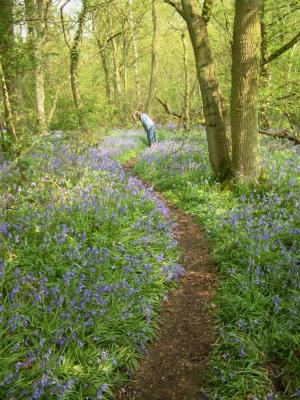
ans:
x=276 y=304
x=242 y=351
x=297 y=394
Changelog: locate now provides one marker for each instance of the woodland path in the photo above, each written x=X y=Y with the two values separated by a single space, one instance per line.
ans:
x=175 y=364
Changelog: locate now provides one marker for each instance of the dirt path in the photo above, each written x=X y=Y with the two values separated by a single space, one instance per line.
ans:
x=175 y=364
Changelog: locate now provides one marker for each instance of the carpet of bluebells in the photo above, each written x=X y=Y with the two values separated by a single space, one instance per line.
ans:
x=86 y=256
x=255 y=237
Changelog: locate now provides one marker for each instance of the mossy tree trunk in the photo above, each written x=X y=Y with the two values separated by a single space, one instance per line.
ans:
x=212 y=98
x=74 y=55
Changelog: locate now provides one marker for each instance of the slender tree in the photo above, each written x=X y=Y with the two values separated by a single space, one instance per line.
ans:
x=116 y=63
x=154 y=59
x=244 y=91
x=212 y=98
x=186 y=96
x=100 y=35
x=7 y=45
x=135 y=55
x=9 y=121
x=74 y=63
x=36 y=13
x=265 y=71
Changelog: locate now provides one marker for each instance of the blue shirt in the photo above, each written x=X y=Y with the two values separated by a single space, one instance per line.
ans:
x=146 y=122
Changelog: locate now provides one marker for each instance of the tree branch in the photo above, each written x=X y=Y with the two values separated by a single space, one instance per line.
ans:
x=282 y=49
x=282 y=134
x=168 y=109
x=63 y=22
x=176 y=6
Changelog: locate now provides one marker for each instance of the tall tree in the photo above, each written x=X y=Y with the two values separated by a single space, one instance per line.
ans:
x=212 y=98
x=154 y=59
x=265 y=71
x=116 y=63
x=9 y=120
x=74 y=63
x=6 y=62
x=36 y=16
x=244 y=90
x=186 y=96
x=100 y=35
x=135 y=55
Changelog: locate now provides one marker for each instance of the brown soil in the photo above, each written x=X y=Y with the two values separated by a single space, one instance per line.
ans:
x=175 y=365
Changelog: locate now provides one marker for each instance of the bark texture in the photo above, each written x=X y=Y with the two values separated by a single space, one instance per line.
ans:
x=9 y=121
x=154 y=59
x=116 y=65
x=74 y=54
x=7 y=64
x=35 y=14
x=211 y=94
x=244 y=92
x=265 y=75
x=135 y=56
x=186 y=97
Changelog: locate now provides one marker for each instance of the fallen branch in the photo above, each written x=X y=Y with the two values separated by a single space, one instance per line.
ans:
x=168 y=109
x=282 y=134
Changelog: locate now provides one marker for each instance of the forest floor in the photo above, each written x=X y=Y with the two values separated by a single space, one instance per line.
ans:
x=175 y=364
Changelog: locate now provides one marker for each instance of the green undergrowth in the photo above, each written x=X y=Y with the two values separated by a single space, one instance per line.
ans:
x=254 y=238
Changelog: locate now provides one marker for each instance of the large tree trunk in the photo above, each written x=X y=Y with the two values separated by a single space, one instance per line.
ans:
x=244 y=91
x=154 y=60
x=135 y=56
x=211 y=94
x=186 y=97
x=74 y=55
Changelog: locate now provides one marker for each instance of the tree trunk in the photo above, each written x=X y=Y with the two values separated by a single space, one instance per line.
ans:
x=135 y=57
x=74 y=55
x=125 y=100
x=264 y=72
x=154 y=60
x=211 y=94
x=9 y=122
x=8 y=72
x=117 y=75
x=104 y=63
x=105 y=67
x=244 y=91
x=39 y=69
x=186 y=98
x=35 y=10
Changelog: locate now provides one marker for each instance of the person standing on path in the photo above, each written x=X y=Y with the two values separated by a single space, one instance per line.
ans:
x=148 y=125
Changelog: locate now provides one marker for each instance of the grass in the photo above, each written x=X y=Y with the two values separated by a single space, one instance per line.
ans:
x=87 y=255
x=254 y=235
